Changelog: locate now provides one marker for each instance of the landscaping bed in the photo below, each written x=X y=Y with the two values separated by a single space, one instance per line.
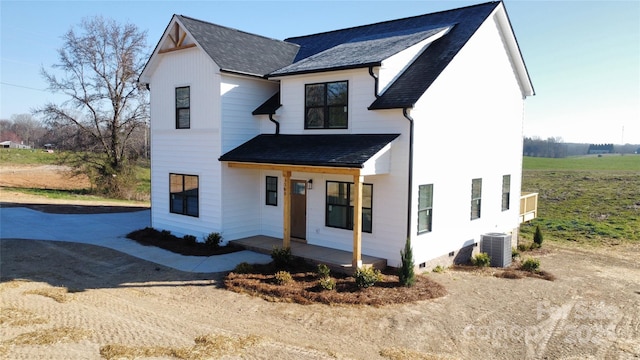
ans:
x=184 y=246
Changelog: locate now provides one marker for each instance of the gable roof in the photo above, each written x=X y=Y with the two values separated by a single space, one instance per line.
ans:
x=340 y=150
x=238 y=51
x=359 y=52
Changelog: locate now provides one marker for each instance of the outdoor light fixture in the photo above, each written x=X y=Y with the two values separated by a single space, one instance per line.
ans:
x=310 y=184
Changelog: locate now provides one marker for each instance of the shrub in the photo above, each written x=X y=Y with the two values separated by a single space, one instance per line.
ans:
x=213 y=240
x=189 y=240
x=537 y=237
x=531 y=265
x=283 y=277
x=515 y=253
x=165 y=234
x=327 y=283
x=367 y=276
x=243 y=268
x=323 y=271
x=439 y=269
x=281 y=257
x=522 y=247
x=407 y=275
x=481 y=260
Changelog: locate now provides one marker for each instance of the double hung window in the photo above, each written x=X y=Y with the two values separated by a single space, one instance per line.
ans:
x=326 y=105
x=339 y=206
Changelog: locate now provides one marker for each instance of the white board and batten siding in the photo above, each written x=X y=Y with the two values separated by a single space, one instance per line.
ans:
x=186 y=151
x=469 y=125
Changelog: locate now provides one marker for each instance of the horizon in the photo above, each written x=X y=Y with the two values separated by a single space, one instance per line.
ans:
x=583 y=57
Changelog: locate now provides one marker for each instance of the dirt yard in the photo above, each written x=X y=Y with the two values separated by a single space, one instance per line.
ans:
x=72 y=301
x=41 y=177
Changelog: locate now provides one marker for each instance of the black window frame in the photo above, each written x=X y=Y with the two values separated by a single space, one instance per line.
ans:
x=476 y=198
x=326 y=107
x=425 y=207
x=367 y=226
x=271 y=190
x=181 y=107
x=506 y=192
x=183 y=196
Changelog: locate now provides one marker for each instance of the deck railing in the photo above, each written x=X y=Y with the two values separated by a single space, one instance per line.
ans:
x=528 y=206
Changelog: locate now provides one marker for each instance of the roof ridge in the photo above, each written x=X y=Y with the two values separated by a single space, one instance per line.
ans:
x=233 y=29
x=390 y=21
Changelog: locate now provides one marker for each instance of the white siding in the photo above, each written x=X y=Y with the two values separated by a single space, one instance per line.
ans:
x=468 y=125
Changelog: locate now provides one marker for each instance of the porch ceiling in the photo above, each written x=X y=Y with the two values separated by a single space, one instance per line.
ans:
x=360 y=153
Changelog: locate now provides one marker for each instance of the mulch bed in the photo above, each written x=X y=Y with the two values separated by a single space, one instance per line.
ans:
x=511 y=272
x=304 y=288
x=167 y=241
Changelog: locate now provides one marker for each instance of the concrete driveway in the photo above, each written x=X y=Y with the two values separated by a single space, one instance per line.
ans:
x=110 y=230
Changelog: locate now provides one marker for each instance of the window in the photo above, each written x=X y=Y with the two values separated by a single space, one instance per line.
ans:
x=326 y=105
x=271 y=197
x=183 y=191
x=425 y=208
x=506 y=191
x=476 y=198
x=183 y=108
x=340 y=205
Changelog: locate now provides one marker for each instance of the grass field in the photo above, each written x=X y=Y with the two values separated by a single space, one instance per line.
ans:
x=593 y=200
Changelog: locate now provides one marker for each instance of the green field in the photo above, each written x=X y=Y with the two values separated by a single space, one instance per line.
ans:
x=591 y=199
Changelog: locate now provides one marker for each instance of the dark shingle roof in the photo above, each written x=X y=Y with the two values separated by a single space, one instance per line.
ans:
x=360 y=52
x=345 y=150
x=237 y=51
x=417 y=78
x=269 y=107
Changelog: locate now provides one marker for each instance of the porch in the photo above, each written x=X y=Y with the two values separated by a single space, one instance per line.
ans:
x=528 y=206
x=336 y=260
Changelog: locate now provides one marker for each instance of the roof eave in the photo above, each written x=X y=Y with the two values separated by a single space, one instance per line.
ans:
x=321 y=70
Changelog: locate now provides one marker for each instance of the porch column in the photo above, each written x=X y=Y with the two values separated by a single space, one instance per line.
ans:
x=286 y=218
x=357 y=222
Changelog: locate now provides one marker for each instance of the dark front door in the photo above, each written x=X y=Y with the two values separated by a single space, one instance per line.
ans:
x=299 y=209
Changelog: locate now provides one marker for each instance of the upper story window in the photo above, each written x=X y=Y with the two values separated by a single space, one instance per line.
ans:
x=506 y=192
x=326 y=105
x=476 y=198
x=183 y=107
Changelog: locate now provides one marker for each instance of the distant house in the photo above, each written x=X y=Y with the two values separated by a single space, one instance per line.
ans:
x=13 y=145
x=335 y=139
x=600 y=149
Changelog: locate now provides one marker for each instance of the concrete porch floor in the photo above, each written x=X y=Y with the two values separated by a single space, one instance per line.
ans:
x=336 y=260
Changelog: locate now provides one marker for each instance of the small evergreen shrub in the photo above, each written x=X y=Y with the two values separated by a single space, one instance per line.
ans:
x=281 y=257
x=283 y=277
x=438 y=269
x=323 y=271
x=327 y=283
x=213 y=240
x=407 y=275
x=189 y=240
x=531 y=265
x=367 y=276
x=243 y=268
x=515 y=253
x=522 y=247
x=481 y=260
x=537 y=237
x=165 y=234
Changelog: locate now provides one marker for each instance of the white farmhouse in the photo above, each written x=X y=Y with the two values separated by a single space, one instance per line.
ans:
x=348 y=139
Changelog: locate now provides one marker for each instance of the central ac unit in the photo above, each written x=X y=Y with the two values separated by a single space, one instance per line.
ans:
x=498 y=247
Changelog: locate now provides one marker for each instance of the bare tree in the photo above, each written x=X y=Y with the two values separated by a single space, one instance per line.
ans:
x=98 y=70
x=30 y=130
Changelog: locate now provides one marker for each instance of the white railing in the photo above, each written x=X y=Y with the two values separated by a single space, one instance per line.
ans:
x=528 y=206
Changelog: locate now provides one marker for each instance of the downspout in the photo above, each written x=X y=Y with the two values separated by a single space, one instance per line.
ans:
x=409 y=190
x=375 y=83
x=275 y=122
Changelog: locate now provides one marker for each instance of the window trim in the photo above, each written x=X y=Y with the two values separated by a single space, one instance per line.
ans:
x=477 y=201
x=506 y=201
x=185 y=207
x=183 y=107
x=428 y=209
x=267 y=191
x=349 y=213
x=326 y=107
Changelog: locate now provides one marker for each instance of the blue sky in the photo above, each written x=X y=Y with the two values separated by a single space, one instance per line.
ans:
x=583 y=56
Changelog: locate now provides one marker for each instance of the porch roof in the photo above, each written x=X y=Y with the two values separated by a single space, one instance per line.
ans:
x=343 y=150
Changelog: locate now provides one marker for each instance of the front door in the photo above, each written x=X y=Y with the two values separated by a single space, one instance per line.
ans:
x=299 y=209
